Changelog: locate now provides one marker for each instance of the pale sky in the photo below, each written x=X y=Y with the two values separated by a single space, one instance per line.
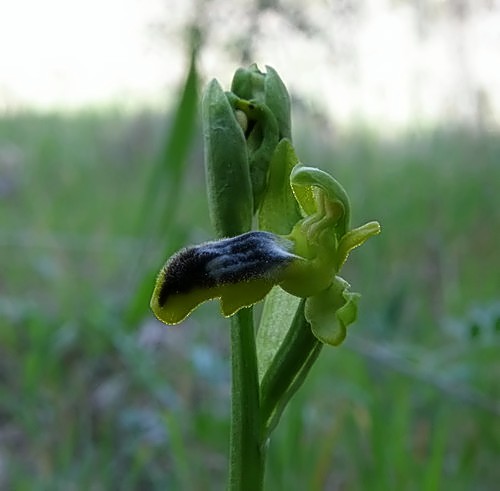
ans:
x=375 y=68
x=57 y=53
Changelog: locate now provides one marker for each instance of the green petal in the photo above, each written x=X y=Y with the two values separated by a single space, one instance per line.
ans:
x=354 y=238
x=331 y=311
x=305 y=179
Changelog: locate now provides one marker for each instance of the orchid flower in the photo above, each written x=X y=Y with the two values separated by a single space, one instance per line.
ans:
x=241 y=270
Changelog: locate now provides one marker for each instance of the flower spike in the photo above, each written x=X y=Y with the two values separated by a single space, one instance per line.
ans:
x=304 y=212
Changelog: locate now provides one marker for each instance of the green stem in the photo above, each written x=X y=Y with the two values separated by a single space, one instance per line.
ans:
x=247 y=457
x=288 y=370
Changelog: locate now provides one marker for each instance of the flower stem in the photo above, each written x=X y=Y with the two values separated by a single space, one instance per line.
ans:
x=247 y=457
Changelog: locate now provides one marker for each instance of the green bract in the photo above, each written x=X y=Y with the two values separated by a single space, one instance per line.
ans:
x=229 y=187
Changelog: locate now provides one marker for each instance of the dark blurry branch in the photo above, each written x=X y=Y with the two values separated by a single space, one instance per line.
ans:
x=294 y=15
x=384 y=356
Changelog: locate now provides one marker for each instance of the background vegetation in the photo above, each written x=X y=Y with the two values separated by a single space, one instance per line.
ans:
x=97 y=395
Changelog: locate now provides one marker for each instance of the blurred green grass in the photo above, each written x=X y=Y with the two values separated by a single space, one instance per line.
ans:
x=92 y=398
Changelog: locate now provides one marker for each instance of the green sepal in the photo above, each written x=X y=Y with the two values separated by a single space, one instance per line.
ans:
x=331 y=311
x=278 y=211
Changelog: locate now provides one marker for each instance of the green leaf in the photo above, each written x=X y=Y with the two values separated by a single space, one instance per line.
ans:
x=165 y=180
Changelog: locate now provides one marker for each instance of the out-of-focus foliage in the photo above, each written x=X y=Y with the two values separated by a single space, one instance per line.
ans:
x=93 y=397
x=90 y=400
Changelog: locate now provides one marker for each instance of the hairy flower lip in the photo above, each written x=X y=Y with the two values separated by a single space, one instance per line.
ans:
x=245 y=257
x=239 y=270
